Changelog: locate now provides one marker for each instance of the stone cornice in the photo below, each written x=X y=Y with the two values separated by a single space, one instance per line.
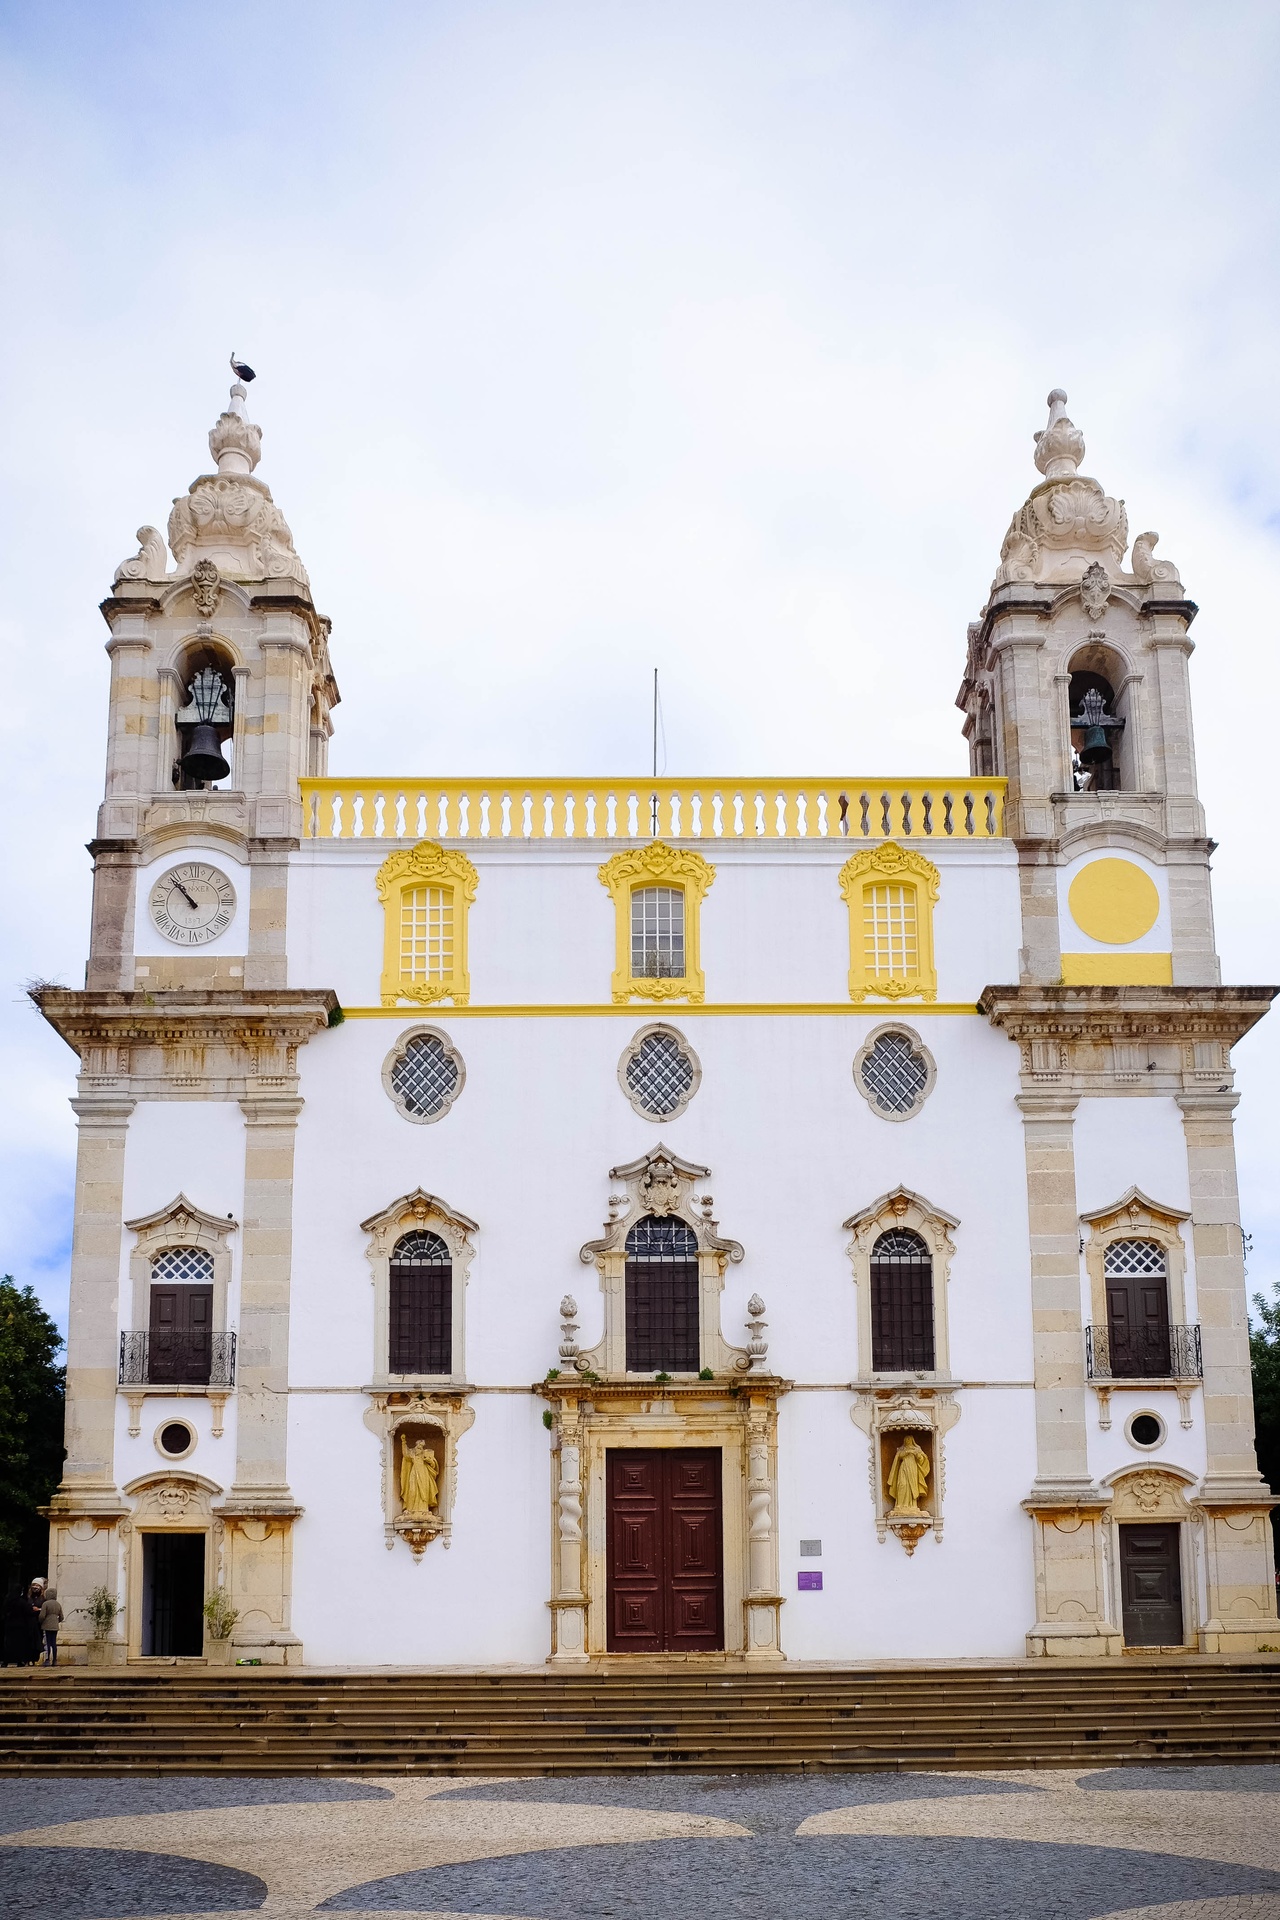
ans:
x=1130 y=1040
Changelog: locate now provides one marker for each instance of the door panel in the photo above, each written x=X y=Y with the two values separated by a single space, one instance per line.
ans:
x=179 y=1348
x=664 y=1551
x=1138 y=1327
x=1151 y=1586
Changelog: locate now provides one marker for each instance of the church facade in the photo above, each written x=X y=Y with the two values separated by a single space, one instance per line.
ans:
x=706 y=1219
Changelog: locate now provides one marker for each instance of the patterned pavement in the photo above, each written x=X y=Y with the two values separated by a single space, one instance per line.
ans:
x=1131 y=1844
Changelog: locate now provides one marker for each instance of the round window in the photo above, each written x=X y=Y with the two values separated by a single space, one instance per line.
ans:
x=894 y=1073
x=175 y=1438
x=423 y=1074
x=1146 y=1430
x=659 y=1073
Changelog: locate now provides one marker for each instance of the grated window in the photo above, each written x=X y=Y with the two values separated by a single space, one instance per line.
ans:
x=894 y=1074
x=426 y=933
x=421 y=1305
x=660 y=1075
x=1142 y=1258
x=657 y=933
x=425 y=1077
x=183 y=1266
x=890 y=942
x=901 y=1303
x=662 y=1297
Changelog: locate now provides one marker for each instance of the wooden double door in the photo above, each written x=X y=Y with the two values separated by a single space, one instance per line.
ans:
x=665 y=1550
x=1151 y=1585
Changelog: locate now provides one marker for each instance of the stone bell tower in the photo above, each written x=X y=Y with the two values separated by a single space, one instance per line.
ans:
x=221 y=693
x=232 y=629
x=1076 y=690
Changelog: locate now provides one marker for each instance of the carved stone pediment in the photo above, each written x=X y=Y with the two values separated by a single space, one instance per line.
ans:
x=1150 y=1493
x=903 y=1208
x=659 y=1183
x=1135 y=1213
x=419 y=1209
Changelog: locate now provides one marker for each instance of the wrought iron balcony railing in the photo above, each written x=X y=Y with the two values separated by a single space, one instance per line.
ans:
x=192 y=1359
x=1147 y=1353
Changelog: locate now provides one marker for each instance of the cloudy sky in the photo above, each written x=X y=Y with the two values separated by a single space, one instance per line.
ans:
x=704 y=334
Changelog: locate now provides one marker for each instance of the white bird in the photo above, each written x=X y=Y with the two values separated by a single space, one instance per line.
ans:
x=240 y=370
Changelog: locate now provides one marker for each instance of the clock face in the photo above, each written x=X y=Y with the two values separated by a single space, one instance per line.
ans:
x=192 y=904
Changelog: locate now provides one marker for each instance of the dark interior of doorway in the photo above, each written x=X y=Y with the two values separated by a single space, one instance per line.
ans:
x=173 y=1594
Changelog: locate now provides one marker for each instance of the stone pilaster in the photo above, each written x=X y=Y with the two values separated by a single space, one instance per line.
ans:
x=115 y=872
x=265 y=963
x=569 y=1599
x=1233 y=1497
x=1065 y=1507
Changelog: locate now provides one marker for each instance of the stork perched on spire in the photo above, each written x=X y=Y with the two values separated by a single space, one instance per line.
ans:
x=241 y=370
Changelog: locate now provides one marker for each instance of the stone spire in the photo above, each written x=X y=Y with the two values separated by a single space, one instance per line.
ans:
x=1069 y=532
x=226 y=520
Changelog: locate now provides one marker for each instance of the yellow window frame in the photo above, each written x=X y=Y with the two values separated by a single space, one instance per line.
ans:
x=658 y=865
x=430 y=866
x=916 y=880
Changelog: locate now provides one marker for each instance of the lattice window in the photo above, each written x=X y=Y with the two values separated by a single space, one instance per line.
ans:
x=426 y=933
x=657 y=933
x=425 y=1077
x=891 y=948
x=901 y=1303
x=1144 y=1259
x=662 y=1297
x=183 y=1266
x=660 y=1075
x=894 y=1075
x=421 y=1318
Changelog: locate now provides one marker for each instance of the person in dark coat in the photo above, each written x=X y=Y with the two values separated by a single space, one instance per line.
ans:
x=35 y=1600
x=16 y=1651
x=50 y=1621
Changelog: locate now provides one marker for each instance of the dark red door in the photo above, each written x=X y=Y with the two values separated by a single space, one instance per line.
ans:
x=1151 y=1585
x=664 y=1548
x=179 y=1347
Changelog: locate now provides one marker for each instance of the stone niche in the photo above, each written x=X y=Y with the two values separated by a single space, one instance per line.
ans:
x=402 y=1421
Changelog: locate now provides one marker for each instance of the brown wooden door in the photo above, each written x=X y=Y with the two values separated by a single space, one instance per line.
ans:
x=179 y=1344
x=1138 y=1326
x=1151 y=1585
x=665 y=1587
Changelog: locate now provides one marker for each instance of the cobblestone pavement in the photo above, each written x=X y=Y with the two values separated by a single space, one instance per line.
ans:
x=1198 y=1843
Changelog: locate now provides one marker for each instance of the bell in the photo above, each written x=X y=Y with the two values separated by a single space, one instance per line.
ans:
x=203 y=758
x=1094 y=752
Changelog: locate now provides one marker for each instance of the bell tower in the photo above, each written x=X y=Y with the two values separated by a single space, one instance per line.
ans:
x=221 y=695
x=1076 y=689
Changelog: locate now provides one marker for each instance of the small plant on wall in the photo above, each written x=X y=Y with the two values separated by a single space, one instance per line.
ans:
x=102 y=1609
x=220 y=1616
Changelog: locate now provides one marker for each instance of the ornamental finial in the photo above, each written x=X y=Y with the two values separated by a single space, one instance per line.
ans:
x=1059 y=445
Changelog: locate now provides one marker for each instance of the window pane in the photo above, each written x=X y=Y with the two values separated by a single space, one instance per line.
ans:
x=421 y=1306
x=901 y=1304
x=662 y=1297
x=890 y=947
x=426 y=933
x=183 y=1264
x=657 y=933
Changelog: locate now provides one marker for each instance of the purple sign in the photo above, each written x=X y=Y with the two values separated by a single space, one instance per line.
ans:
x=809 y=1582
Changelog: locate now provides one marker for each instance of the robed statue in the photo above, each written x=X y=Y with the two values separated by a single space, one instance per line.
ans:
x=908 y=1477
x=419 y=1479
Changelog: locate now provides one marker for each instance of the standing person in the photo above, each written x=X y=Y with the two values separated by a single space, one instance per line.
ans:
x=16 y=1650
x=50 y=1621
x=35 y=1638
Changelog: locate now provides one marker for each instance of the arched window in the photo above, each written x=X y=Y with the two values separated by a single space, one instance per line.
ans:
x=1136 y=1276
x=657 y=933
x=901 y=1304
x=1097 y=720
x=421 y=1306
x=180 y=1330
x=204 y=720
x=662 y=1297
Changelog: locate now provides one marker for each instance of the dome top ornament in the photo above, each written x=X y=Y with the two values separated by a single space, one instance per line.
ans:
x=228 y=518
x=1060 y=445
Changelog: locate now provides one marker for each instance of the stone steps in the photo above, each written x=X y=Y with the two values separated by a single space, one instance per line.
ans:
x=1085 y=1714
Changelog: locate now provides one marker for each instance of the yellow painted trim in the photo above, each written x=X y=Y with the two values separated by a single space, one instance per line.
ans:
x=764 y=1008
x=658 y=865
x=1117 y=969
x=900 y=865
x=1114 y=900
x=427 y=864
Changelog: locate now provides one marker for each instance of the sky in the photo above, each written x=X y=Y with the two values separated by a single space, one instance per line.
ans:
x=591 y=338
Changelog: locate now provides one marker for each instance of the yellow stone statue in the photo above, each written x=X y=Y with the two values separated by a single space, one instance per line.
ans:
x=907 y=1479
x=419 y=1479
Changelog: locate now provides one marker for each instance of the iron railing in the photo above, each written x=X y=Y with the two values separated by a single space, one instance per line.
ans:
x=1144 y=1353
x=190 y=1359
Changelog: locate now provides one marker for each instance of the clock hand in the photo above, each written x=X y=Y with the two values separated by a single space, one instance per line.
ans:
x=179 y=888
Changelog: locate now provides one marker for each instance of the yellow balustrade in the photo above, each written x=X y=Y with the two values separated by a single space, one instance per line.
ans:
x=686 y=809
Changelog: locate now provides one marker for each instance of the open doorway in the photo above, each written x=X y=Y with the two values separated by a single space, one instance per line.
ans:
x=173 y=1594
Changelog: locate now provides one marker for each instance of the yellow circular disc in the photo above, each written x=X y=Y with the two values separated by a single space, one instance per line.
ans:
x=1113 y=900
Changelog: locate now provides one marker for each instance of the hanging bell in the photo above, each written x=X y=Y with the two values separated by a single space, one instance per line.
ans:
x=1095 y=749
x=203 y=758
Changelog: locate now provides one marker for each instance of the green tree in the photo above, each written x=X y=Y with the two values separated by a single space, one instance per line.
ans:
x=32 y=1392
x=1264 y=1352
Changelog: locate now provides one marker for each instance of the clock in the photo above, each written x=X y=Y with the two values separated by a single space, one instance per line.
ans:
x=192 y=904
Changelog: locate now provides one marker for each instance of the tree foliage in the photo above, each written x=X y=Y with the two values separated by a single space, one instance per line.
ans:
x=1264 y=1353
x=32 y=1391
